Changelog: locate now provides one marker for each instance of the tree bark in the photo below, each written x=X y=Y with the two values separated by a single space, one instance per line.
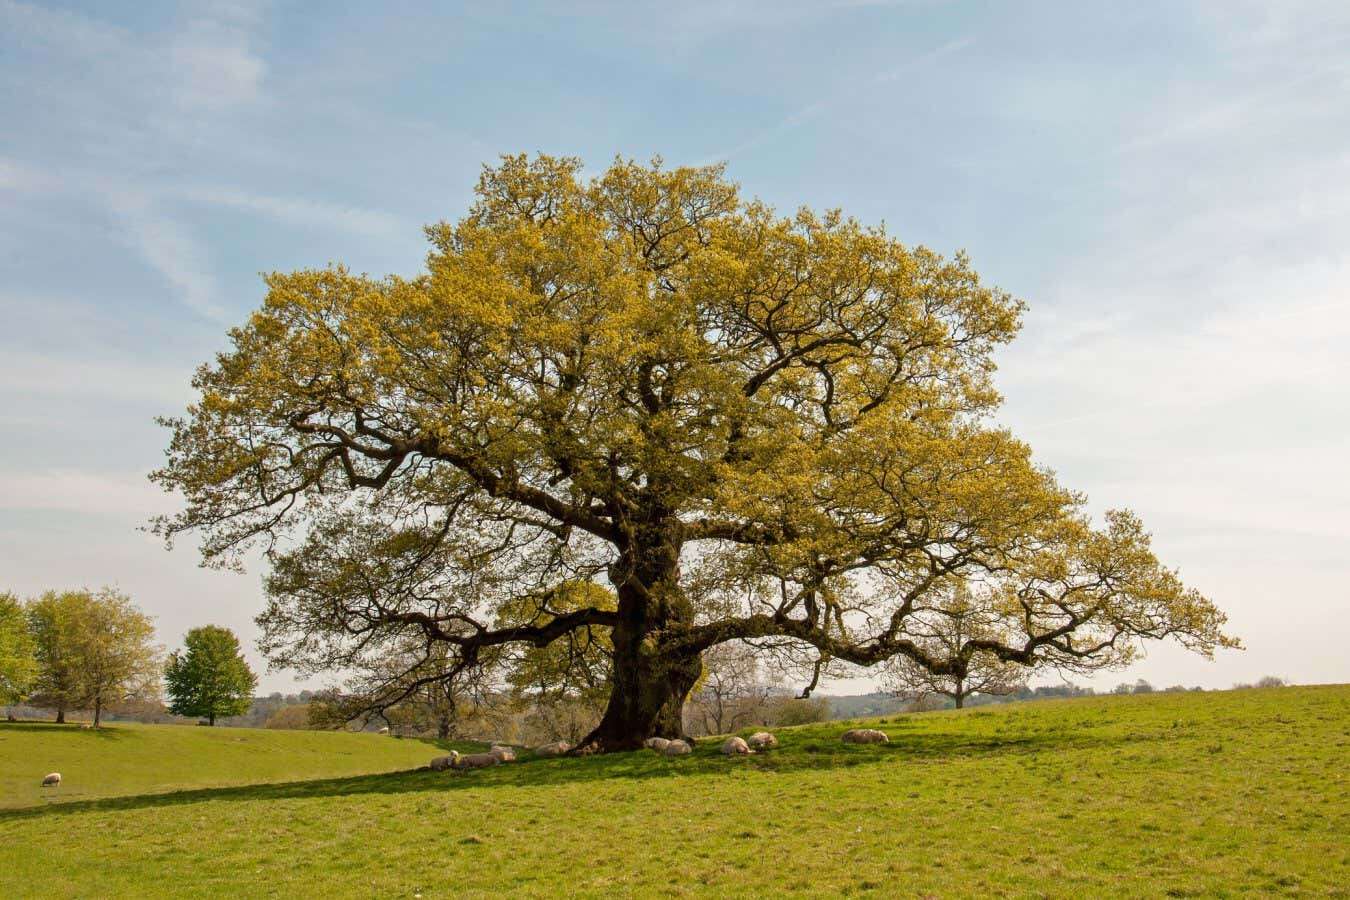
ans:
x=650 y=678
x=98 y=711
x=211 y=718
x=60 y=715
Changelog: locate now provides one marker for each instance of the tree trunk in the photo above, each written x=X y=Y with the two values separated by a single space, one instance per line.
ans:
x=98 y=711
x=646 y=697
x=60 y=715
x=211 y=718
x=650 y=678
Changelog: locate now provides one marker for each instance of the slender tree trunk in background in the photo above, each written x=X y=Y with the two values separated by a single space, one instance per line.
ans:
x=960 y=693
x=60 y=715
x=211 y=718
x=98 y=711
x=443 y=727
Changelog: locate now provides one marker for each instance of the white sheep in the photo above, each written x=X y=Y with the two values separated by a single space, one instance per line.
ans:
x=441 y=763
x=557 y=748
x=477 y=761
x=865 y=736
x=505 y=754
x=52 y=780
x=384 y=730
x=734 y=746
x=762 y=740
x=658 y=744
x=677 y=748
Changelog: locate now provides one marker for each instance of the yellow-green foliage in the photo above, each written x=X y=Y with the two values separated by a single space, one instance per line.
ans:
x=1222 y=794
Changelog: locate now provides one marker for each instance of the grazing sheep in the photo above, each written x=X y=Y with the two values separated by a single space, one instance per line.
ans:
x=384 y=730
x=659 y=744
x=557 y=748
x=735 y=746
x=52 y=780
x=87 y=727
x=762 y=740
x=505 y=754
x=441 y=763
x=477 y=761
x=677 y=748
x=865 y=736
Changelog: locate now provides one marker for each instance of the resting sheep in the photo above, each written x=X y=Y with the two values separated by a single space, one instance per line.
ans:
x=477 y=761
x=865 y=736
x=677 y=748
x=762 y=740
x=504 y=754
x=557 y=748
x=384 y=730
x=734 y=746
x=659 y=744
x=52 y=780
x=441 y=763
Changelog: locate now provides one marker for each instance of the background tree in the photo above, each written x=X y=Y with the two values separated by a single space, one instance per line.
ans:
x=731 y=692
x=751 y=426
x=943 y=626
x=294 y=717
x=18 y=662
x=113 y=653
x=210 y=677
x=54 y=622
x=561 y=688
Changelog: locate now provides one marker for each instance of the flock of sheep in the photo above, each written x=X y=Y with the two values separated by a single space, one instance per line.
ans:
x=500 y=753
x=732 y=746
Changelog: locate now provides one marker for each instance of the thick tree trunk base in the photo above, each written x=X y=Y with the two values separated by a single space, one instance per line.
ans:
x=648 y=704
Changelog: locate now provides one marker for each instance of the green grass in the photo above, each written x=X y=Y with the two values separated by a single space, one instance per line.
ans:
x=123 y=759
x=1217 y=794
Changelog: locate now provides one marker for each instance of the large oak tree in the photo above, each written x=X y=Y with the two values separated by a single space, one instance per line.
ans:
x=750 y=426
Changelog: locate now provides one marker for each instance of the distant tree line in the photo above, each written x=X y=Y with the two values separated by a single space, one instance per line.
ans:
x=94 y=651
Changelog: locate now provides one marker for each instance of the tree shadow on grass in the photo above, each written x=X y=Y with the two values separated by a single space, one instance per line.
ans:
x=803 y=753
x=107 y=732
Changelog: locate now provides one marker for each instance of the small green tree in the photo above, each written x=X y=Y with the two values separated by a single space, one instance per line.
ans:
x=18 y=664
x=210 y=678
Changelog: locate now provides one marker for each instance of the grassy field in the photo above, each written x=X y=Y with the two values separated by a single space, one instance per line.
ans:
x=1215 y=794
x=124 y=759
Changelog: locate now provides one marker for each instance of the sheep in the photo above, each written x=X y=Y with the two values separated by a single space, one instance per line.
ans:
x=762 y=740
x=735 y=746
x=52 y=780
x=865 y=736
x=441 y=763
x=658 y=744
x=477 y=761
x=557 y=748
x=677 y=748
x=505 y=754
x=384 y=730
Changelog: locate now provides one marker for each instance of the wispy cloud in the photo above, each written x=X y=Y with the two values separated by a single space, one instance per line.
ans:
x=811 y=111
x=168 y=248
x=215 y=66
x=79 y=490
x=303 y=212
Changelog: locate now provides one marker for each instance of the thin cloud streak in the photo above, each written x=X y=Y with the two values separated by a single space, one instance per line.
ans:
x=811 y=111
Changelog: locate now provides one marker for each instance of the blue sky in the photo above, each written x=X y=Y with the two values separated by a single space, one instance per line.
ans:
x=1166 y=183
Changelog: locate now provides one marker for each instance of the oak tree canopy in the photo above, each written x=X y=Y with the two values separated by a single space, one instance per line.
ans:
x=742 y=425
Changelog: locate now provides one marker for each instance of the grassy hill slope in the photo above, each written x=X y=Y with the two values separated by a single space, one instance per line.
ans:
x=125 y=759
x=1170 y=794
